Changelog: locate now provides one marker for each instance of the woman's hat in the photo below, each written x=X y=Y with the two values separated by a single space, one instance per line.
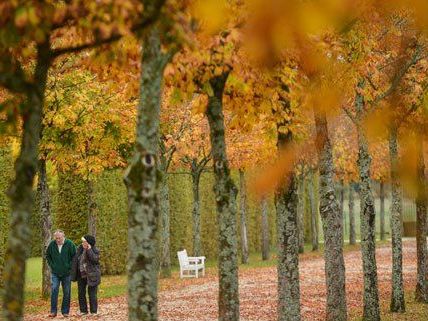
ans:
x=90 y=239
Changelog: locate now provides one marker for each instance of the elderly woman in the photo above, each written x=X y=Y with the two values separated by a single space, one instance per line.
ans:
x=86 y=271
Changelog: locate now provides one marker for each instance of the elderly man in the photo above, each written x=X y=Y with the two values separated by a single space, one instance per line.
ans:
x=59 y=256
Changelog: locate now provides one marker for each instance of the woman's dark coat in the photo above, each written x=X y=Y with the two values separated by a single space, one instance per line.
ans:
x=93 y=270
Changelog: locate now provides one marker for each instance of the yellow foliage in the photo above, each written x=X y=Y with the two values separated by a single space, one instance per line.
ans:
x=212 y=14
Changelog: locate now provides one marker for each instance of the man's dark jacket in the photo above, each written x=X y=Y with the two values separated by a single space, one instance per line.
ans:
x=60 y=263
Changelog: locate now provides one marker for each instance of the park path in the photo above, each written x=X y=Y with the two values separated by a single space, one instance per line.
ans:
x=196 y=299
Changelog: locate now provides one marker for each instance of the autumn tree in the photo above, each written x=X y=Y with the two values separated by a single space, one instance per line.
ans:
x=385 y=89
x=208 y=70
x=41 y=26
x=193 y=152
x=175 y=124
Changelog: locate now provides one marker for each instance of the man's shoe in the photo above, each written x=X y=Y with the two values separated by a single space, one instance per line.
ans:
x=82 y=313
x=65 y=315
x=52 y=315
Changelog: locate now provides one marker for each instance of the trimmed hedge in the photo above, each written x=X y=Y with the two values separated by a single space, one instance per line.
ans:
x=6 y=175
x=70 y=206
x=112 y=221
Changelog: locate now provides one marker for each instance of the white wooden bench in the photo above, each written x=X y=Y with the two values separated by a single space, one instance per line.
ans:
x=190 y=265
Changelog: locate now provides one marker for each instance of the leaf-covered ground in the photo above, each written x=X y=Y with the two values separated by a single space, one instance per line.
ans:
x=196 y=299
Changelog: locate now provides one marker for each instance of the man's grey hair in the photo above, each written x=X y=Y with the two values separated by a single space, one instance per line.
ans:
x=59 y=232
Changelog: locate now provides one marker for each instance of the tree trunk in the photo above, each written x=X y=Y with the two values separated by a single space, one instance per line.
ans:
x=301 y=212
x=265 y=229
x=421 y=226
x=45 y=209
x=397 y=298
x=352 y=234
x=164 y=233
x=342 y=206
x=288 y=254
x=286 y=203
x=196 y=213
x=21 y=191
x=332 y=226
x=371 y=311
x=382 y=210
x=225 y=192
x=368 y=233
x=165 y=262
x=143 y=179
x=243 y=211
x=314 y=213
x=92 y=208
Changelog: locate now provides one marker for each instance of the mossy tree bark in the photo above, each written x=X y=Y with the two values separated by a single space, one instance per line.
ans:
x=301 y=210
x=286 y=203
x=165 y=157
x=143 y=178
x=243 y=209
x=397 y=295
x=332 y=225
x=21 y=190
x=352 y=232
x=225 y=192
x=45 y=208
x=371 y=311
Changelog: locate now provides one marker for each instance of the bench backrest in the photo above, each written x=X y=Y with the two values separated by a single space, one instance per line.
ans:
x=183 y=258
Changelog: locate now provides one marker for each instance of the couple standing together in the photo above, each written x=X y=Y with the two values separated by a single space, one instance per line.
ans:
x=68 y=264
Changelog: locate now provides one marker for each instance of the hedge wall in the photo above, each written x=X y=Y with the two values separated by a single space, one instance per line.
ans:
x=6 y=174
x=112 y=223
x=70 y=206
